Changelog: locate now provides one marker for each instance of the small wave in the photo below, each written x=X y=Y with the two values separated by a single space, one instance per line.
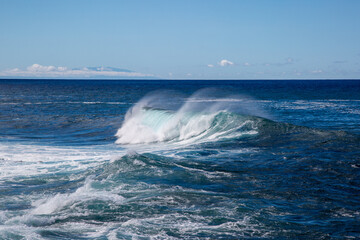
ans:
x=98 y=102
x=83 y=193
x=57 y=102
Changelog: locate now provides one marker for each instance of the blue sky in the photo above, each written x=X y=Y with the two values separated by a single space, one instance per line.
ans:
x=187 y=39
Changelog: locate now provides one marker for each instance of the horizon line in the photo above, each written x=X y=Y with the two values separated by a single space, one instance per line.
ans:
x=182 y=79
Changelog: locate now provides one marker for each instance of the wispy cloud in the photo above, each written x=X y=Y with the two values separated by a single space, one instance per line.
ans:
x=225 y=62
x=41 y=71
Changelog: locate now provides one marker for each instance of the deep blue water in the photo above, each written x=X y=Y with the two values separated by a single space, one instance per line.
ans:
x=132 y=159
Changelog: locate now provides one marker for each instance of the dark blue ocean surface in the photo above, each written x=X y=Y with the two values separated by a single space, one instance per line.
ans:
x=93 y=159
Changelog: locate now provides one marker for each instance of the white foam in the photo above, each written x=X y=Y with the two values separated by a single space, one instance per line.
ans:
x=153 y=126
x=144 y=125
x=27 y=160
x=18 y=232
x=192 y=120
x=336 y=105
x=82 y=194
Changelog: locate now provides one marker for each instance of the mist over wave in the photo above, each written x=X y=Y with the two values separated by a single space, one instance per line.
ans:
x=205 y=116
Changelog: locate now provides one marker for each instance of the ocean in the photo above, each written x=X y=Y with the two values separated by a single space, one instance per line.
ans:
x=159 y=159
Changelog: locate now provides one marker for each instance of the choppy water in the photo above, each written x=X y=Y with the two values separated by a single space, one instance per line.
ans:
x=179 y=159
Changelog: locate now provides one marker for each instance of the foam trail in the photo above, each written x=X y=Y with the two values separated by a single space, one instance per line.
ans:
x=202 y=117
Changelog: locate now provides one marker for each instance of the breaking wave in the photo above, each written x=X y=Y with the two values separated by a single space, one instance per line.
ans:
x=153 y=125
x=198 y=119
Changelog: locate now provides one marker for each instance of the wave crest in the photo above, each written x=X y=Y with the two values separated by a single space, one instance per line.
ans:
x=194 y=121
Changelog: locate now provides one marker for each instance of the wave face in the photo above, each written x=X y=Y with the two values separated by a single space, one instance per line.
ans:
x=153 y=125
x=199 y=119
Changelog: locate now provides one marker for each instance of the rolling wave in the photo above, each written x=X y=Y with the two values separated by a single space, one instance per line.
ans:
x=153 y=125
x=206 y=116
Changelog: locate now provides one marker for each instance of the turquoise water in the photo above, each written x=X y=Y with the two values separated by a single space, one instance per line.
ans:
x=179 y=159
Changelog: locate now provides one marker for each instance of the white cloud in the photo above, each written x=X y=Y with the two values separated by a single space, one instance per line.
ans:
x=37 y=70
x=225 y=62
x=210 y=65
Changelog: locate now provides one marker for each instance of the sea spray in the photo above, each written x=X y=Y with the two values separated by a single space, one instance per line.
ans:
x=201 y=117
